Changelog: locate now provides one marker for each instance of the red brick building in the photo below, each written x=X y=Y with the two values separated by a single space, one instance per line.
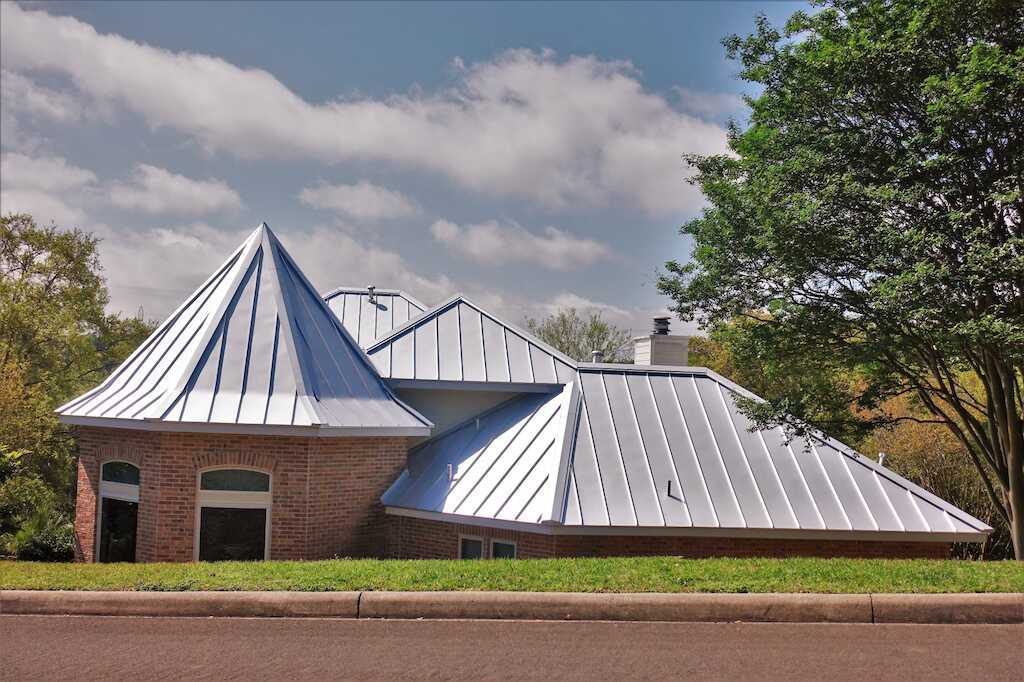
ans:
x=260 y=421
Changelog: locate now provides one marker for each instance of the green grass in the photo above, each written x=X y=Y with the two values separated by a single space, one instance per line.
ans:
x=658 y=574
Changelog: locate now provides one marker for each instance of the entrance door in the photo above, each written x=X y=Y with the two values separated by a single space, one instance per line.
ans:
x=119 y=511
x=117 y=535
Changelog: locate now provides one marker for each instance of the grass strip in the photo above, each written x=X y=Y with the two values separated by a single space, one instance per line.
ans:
x=648 y=574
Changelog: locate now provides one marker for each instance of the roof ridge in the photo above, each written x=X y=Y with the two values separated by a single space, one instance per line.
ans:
x=462 y=298
x=377 y=290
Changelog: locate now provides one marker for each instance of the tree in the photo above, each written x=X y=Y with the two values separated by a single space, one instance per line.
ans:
x=578 y=336
x=56 y=341
x=870 y=216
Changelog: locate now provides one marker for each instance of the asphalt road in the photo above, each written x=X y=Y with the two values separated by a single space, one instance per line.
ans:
x=71 y=648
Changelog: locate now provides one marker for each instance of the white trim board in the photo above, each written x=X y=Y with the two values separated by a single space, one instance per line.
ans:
x=245 y=429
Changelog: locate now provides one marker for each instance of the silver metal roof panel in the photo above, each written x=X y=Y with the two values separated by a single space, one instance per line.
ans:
x=652 y=448
x=459 y=341
x=255 y=347
x=502 y=465
x=367 y=322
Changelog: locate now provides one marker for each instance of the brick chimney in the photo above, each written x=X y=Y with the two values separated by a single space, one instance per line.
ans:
x=661 y=348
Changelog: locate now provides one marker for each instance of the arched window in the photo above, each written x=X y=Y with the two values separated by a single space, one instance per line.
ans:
x=233 y=515
x=118 y=511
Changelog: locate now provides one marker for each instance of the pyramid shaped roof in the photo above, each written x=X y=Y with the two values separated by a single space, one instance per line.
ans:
x=253 y=350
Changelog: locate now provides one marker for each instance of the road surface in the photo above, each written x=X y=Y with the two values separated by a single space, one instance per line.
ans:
x=67 y=648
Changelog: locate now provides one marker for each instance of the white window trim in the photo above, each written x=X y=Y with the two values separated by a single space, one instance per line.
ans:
x=233 y=499
x=126 y=492
x=480 y=539
x=515 y=547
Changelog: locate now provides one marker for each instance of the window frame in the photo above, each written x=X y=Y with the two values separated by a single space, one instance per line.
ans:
x=125 y=492
x=515 y=547
x=233 y=499
x=483 y=544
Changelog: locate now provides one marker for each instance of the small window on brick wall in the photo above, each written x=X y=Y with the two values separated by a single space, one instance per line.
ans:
x=471 y=548
x=501 y=549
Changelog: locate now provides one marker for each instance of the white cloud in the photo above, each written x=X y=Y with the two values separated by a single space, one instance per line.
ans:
x=157 y=268
x=50 y=173
x=362 y=200
x=156 y=190
x=496 y=243
x=19 y=93
x=568 y=299
x=48 y=187
x=564 y=132
x=709 y=104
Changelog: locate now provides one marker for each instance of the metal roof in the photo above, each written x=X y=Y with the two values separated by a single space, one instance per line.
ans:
x=666 y=449
x=501 y=465
x=459 y=341
x=367 y=322
x=254 y=349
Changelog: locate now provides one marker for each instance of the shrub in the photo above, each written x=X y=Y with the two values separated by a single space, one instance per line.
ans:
x=930 y=456
x=46 y=536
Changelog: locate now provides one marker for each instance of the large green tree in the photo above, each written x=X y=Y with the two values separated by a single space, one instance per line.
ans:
x=578 y=336
x=56 y=341
x=869 y=219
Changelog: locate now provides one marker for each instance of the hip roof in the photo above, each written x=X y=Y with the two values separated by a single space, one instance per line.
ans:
x=650 y=449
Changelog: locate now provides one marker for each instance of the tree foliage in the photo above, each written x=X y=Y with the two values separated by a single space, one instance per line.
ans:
x=579 y=335
x=870 y=216
x=56 y=341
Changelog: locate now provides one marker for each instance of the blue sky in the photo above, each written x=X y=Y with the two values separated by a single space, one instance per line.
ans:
x=526 y=154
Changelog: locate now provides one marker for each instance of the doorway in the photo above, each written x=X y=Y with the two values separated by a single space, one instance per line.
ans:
x=118 y=512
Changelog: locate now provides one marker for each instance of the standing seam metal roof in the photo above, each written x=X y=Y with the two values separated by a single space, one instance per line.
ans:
x=504 y=463
x=459 y=341
x=367 y=322
x=652 y=447
x=254 y=346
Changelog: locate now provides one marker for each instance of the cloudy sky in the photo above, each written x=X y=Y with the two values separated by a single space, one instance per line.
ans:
x=527 y=155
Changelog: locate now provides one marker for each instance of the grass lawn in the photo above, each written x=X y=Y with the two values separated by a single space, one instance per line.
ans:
x=658 y=574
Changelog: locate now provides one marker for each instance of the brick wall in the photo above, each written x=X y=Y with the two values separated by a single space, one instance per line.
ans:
x=325 y=491
x=422 y=539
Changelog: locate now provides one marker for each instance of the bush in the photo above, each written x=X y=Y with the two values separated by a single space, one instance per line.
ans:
x=46 y=536
x=929 y=455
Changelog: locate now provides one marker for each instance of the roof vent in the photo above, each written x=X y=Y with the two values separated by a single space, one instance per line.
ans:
x=373 y=297
x=661 y=325
x=597 y=355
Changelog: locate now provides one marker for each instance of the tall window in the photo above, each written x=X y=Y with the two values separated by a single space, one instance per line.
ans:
x=233 y=515
x=118 y=512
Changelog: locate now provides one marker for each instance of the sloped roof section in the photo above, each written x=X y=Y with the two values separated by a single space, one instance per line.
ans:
x=503 y=465
x=666 y=450
x=459 y=341
x=669 y=447
x=254 y=349
x=367 y=322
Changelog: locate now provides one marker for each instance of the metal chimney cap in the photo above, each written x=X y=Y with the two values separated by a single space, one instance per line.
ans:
x=597 y=355
x=370 y=289
x=661 y=325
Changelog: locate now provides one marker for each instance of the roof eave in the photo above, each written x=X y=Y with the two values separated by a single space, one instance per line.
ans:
x=549 y=527
x=316 y=431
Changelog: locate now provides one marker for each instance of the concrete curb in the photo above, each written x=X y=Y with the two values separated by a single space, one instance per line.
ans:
x=238 y=604
x=948 y=608
x=694 y=607
x=780 y=608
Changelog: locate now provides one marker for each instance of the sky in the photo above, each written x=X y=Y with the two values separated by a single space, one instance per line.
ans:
x=527 y=155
